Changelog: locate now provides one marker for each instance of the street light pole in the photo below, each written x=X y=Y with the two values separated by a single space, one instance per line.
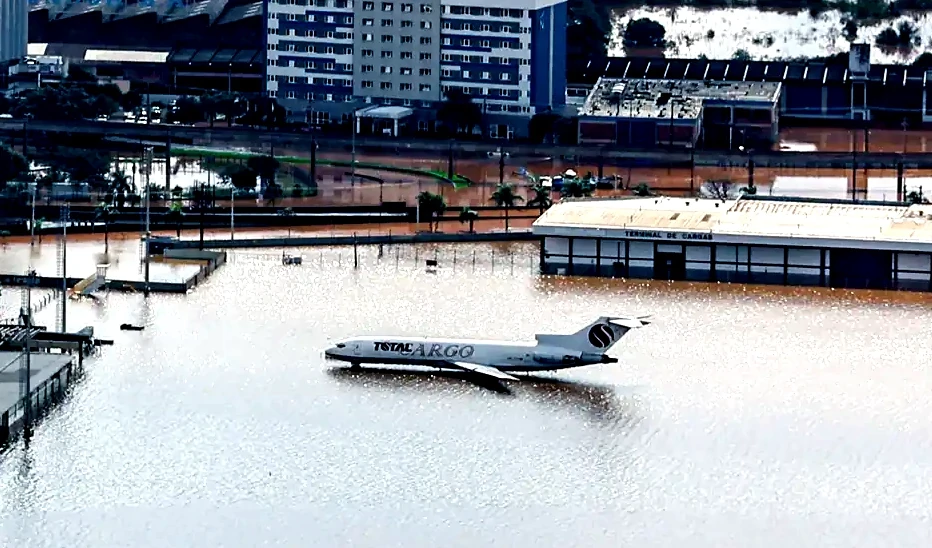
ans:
x=232 y=202
x=353 y=161
x=32 y=224
x=148 y=167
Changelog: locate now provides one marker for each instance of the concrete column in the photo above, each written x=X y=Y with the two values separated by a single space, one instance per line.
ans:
x=395 y=132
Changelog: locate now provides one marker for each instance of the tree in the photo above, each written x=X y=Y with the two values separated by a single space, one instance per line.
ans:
x=574 y=188
x=719 y=189
x=588 y=34
x=176 y=214
x=741 y=55
x=265 y=167
x=104 y=212
x=505 y=196
x=83 y=165
x=644 y=33
x=458 y=112
x=120 y=186
x=916 y=197
x=468 y=216
x=541 y=197
x=13 y=166
x=430 y=205
x=642 y=190
x=240 y=176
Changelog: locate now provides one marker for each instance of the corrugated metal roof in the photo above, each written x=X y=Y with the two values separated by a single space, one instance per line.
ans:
x=123 y=56
x=751 y=217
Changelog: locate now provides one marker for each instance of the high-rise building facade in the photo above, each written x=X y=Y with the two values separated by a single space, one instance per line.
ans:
x=332 y=57
x=14 y=21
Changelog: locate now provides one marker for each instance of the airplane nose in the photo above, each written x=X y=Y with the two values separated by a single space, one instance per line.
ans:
x=609 y=359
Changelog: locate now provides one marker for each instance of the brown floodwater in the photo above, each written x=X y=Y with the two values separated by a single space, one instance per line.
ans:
x=787 y=416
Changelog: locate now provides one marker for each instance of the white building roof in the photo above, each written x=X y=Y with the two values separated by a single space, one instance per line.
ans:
x=125 y=56
x=746 y=220
x=384 y=112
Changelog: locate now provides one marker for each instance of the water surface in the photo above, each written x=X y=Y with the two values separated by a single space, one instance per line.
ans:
x=780 y=417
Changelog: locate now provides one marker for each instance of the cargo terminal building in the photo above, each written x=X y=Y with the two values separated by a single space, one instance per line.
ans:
x=754 y=239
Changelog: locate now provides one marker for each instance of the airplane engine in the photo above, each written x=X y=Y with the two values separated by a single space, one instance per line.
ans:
x=558 y=359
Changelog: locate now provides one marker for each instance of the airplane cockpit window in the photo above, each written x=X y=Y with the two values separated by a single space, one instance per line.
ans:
x=341 y=345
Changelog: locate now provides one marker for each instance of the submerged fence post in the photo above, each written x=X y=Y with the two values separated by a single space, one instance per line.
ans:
x=355 y=252
x=493 y=260
x=512 y=263
x=454 y=257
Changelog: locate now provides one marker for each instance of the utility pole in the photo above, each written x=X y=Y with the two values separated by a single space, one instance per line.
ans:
x=32 y=224
x=353 y=161
x=25 y=315
x=148 y=168
x=232 y=202
x=65 y=218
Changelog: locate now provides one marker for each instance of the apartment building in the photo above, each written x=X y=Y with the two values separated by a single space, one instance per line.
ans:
x=330 y=58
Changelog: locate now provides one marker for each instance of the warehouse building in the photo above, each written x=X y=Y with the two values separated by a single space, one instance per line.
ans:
x=845 y=87
x=754 y=239
x=680 y=113
x=13 y=32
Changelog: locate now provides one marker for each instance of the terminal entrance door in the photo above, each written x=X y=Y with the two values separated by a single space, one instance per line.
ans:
x=669 y=266
x=860 y=268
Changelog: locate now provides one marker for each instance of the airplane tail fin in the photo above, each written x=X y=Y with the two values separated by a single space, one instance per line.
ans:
x=598 y=336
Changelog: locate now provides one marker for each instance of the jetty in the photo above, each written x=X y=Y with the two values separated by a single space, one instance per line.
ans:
x=36 y=368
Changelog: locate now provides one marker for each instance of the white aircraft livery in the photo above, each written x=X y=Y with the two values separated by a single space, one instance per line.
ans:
x=492 y=358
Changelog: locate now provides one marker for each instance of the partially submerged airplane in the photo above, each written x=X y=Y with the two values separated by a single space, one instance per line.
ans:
x=587 y=346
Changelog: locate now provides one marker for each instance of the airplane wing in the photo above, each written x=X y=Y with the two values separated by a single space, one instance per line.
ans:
x=484 y=370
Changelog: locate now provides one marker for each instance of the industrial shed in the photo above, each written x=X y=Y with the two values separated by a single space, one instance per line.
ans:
x=753 y=239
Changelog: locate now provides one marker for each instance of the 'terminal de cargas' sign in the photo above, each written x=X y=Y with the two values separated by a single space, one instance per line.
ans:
x=426 y=350
x=657 y=235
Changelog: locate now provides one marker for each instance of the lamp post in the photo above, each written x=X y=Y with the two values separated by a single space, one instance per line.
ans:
x=148 y=168
x=32 y=223
x=232 y=202
x=353 y=161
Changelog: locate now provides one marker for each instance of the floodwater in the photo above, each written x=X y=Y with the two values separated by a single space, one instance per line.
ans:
x=780 y=417
x=763 y=34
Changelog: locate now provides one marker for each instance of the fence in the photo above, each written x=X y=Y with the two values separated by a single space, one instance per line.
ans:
x=511 y=259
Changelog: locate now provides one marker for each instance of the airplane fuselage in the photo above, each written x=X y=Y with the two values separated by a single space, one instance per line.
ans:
x=506 y=356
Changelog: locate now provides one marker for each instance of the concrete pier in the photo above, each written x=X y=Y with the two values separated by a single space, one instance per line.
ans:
x=51 y=375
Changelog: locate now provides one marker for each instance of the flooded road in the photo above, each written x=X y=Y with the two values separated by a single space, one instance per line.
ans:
x=781 y=417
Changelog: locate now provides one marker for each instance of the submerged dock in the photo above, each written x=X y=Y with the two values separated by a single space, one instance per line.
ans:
x=56 y=360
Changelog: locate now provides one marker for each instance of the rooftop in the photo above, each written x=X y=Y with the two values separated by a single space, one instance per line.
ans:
x=765 y=217
x=736 y=70
x=678 y=99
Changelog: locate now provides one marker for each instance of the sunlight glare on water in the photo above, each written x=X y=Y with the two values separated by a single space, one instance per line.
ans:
x=775 y=416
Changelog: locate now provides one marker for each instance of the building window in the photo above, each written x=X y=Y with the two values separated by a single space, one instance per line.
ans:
x=291 y=95
x=425 y=87
x=366 y=37
x=485 y=28
x=367 y=53
x=407 y=24
x=404 y=87
x=387 y=6
x=446 y=41
x=445 y=73
x=368 y=6
x=368 y=22
x=447 y=26
x=387 y=38
x=367 y=68
x=385 y=85
x=407 y=8
x=407 y=40
x=366 y=84
x=387 y=23
x=425 y=40
x=386 y=54
x=348 y=20
x=505 y=77
x=485 y=75
x=406 y=55
x=426 y=8
x=425 y=57
x=386 y=70
x=425 y=72
x=425 y=24
x=405 y=71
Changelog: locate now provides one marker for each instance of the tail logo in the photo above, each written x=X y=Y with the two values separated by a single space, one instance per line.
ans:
x=601 y=336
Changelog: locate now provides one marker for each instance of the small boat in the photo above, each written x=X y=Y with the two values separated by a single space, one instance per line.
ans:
x=131 y=327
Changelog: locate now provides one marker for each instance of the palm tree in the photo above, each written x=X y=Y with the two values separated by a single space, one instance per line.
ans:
x=574 y=188
x=504 y=196
x=430 y=204
x=541 y=197
x=643 y=190
x=104 y=212
x=468 y=216
x=176 y=212
x=120 y=186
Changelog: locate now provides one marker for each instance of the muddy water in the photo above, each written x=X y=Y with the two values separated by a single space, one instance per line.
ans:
x=764 y=34
x=779 y=417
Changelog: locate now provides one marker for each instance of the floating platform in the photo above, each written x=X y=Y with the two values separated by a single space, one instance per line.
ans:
x=51 y=375
x=752 y=239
